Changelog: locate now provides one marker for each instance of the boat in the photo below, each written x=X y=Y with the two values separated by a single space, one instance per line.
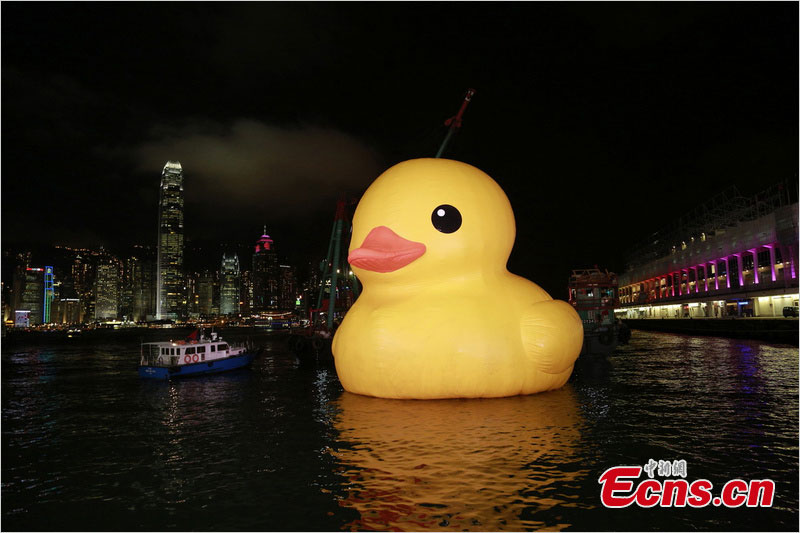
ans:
x=593 y=294
x=191 y=357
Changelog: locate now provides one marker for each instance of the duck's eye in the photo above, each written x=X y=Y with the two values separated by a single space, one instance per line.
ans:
x=446 y=218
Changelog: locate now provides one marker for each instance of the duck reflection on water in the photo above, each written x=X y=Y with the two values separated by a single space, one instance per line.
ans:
x=476 y=465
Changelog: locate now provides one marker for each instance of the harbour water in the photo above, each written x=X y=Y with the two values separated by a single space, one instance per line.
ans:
x=87 y=445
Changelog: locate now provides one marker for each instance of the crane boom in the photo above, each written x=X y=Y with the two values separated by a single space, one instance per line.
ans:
x=455 y=122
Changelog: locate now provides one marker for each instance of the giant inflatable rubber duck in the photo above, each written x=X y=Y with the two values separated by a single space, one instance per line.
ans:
x=440 y=316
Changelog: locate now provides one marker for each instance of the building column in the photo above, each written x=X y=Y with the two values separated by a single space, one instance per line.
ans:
x=716 y=275
x=705 y=278
x=739 y=264
x=791 y=261
x=672 y=279
x=772 y=261
x=688 y=289
x=696 y=281
x=727 y=271
x=754 y=251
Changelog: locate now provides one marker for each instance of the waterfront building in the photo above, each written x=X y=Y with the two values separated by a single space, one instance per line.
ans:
x=67 y=311
x=171 y=285
x=83 y=276
x=48 y=293
x=246 y=293
x=21 y=262
x=5 y=302
x=206 y=285
x=143 y=280
x=193 y=305
x=107 y=291
x=32 y=300
x=265 y=275
x=733 y=256
x=288 y=288
x=229 y=285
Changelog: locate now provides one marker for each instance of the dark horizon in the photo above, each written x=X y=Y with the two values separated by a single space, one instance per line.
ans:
x=602 y=123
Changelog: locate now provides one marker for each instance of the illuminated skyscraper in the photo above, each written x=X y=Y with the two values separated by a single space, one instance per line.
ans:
x=170 y=297
x=48 y=293
x=107 y=291
x=33 y=295
x=229 y=285
x=265 y=275
x=205 y=292
x=287 y=288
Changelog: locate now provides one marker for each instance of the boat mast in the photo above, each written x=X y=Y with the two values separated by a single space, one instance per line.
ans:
x=455 y=122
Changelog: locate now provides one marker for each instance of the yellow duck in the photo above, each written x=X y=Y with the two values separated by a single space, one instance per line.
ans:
x=440 y=316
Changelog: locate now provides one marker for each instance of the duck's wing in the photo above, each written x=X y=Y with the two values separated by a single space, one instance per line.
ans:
x=552 y=334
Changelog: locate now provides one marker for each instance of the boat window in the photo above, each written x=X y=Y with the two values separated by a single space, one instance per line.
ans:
x=213 y=348
x=202 y=355
x=164 y=351
x=222 y=347
x=201 y=349
x=172 y=351
x=190 y=350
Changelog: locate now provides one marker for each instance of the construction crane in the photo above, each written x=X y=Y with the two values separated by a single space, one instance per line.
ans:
x=455 y=122
x=336 y=268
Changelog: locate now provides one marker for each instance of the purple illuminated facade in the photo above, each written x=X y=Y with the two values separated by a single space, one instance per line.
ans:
x=744 y=264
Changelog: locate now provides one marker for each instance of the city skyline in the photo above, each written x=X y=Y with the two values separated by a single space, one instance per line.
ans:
x=601 y=122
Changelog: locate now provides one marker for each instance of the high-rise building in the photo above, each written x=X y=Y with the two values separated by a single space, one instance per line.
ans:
x=21 y=263
x=288 y=288
x=170 y=292
x=144 y=289
x=33 y=295
x=265 y=275
x=67 y=311
x=229 y=285
x=246 y=293
x=47 y=304
x=205 y=294
x=107 y=291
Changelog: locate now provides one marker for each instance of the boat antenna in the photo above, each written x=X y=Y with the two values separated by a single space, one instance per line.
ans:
x=455 y=122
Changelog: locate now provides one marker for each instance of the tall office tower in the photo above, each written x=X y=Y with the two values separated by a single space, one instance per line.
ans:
x=21 y=263
x=48 y=294
x=288 y=288
x=144 y=289
x=246 y=293
x=66 y=311
x=33 y=295
x=193 y=297
x=265 y=275
x=131 y=267
x=107 y=291
x=170 y=292
x=205 y=294
x=229 y=285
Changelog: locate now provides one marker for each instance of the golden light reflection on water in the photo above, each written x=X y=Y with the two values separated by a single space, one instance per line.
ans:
x=476 y=465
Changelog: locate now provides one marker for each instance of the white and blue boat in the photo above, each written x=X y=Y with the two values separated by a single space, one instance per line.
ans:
x=191 y=357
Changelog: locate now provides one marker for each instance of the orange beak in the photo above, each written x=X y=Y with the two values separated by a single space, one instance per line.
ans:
x=385 y=251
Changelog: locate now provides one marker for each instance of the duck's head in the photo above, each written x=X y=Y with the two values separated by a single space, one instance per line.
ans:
x=425 y=220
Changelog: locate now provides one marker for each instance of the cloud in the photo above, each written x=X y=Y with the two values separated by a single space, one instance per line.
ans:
x=252 y=165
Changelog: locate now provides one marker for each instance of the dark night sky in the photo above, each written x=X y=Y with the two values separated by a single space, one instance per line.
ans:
x=602 y=122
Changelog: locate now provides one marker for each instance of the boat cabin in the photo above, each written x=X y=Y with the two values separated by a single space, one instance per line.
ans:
x=593 y=294
x=176 y=353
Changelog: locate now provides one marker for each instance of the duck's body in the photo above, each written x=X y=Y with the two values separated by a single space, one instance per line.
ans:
x=439 y=325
